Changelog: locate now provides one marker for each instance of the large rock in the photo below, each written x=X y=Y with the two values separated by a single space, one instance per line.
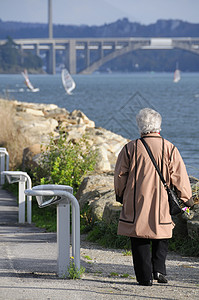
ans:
x=97 y=193
x=108 y=145
x=30 y=154
x=36 y=128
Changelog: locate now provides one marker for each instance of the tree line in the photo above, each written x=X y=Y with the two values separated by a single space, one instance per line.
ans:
x=13 y=60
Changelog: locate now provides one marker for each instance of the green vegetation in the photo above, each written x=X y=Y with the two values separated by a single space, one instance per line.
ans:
x=11 y=137
x=185 y=246
x=87 y=257
x=125 y=275
x=73 y=272
x=114 y=274
x=127 y=253
x=64 y=162
x=106 y=236
x=13 y=60
x=61 y=163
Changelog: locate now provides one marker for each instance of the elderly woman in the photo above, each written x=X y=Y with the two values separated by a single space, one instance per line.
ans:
x=145 y=216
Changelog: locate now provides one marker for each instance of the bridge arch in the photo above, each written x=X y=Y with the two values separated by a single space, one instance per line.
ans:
x=181 y=45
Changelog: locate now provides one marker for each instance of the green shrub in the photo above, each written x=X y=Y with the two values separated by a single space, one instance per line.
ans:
x=65 y=162
x=61 y=163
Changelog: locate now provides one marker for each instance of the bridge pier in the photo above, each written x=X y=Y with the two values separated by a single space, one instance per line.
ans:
x=87 y=55
x=72 y=57
x=36 y=49
x=51 y=62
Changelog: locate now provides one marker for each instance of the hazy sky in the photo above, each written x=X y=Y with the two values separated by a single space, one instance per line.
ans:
x=98 y=12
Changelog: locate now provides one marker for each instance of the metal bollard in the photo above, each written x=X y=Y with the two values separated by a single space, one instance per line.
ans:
x=22 y=178
x=4 y=164
x=62 y=196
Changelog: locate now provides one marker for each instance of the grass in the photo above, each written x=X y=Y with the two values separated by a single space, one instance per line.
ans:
x=11 y=136
x=185 y=246
x=87 y=257
x=127 y=253
x=114 y=274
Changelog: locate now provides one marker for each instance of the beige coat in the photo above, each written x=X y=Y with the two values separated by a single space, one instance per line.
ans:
x=145 y=211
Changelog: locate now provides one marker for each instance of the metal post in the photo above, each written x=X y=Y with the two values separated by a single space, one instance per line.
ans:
x=63 y=240
x=29 y=200
x=21 y=217
x=73 y=231
x=4 y=164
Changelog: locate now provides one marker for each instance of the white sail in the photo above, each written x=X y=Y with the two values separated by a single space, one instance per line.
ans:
x=28 y=83
x=177 y=76
x=68 y=82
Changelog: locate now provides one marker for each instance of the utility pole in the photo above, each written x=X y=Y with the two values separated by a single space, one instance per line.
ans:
x=50 y=23
x=52 y=56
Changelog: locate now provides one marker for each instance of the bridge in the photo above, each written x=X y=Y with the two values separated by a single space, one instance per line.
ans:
x=94 y=52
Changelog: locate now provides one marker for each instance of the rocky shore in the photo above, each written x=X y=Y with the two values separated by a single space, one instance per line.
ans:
x=37 y=121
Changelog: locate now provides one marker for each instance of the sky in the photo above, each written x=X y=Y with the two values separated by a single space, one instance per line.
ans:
x=99 y=12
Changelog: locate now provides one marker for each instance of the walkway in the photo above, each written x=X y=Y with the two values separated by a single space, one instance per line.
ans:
x=28 y=268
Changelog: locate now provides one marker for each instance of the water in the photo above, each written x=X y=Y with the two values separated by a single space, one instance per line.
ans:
x=113 y=100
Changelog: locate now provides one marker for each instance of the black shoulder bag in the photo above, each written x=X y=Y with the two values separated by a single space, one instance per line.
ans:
x=172 y=197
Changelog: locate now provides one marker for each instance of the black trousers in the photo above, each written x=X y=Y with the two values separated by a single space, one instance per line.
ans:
x=149 y=256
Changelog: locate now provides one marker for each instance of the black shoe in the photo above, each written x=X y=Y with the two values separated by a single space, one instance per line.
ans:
x=160 y=277
x=146 y=283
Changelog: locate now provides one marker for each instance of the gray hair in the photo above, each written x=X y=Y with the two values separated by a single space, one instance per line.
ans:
x=148 y=120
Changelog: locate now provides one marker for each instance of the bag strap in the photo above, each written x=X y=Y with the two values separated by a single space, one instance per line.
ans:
x=154 y=162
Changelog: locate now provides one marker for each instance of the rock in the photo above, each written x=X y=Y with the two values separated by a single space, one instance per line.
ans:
x=81 y=118
x=97 y=192
x=37 y=122
x=29 y=153
x=108 y=144
x=112 y=212
x=193 y=228
x=193 y=223
x=36 y=128
x=36 y=106
x=98 y=185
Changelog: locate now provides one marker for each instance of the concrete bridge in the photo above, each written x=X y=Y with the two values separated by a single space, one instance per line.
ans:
x=94 y=52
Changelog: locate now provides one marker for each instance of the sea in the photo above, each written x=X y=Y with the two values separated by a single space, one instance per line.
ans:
x=112 y=101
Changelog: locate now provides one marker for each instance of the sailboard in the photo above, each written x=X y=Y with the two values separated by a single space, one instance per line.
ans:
x=28 y=83
x=68 y=82
x=177 y=75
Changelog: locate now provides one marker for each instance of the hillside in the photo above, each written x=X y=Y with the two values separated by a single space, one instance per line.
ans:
x=120 y=28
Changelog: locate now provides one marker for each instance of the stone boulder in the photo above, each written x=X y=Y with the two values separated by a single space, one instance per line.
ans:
x=30 y=154
x=97 y=192
x=36 y=128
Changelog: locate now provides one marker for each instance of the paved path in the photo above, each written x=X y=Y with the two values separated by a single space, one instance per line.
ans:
x=28 y=268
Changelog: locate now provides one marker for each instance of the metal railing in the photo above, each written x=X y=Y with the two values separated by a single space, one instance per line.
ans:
x=62 y=196
x=4 y=164
x=24 y=181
